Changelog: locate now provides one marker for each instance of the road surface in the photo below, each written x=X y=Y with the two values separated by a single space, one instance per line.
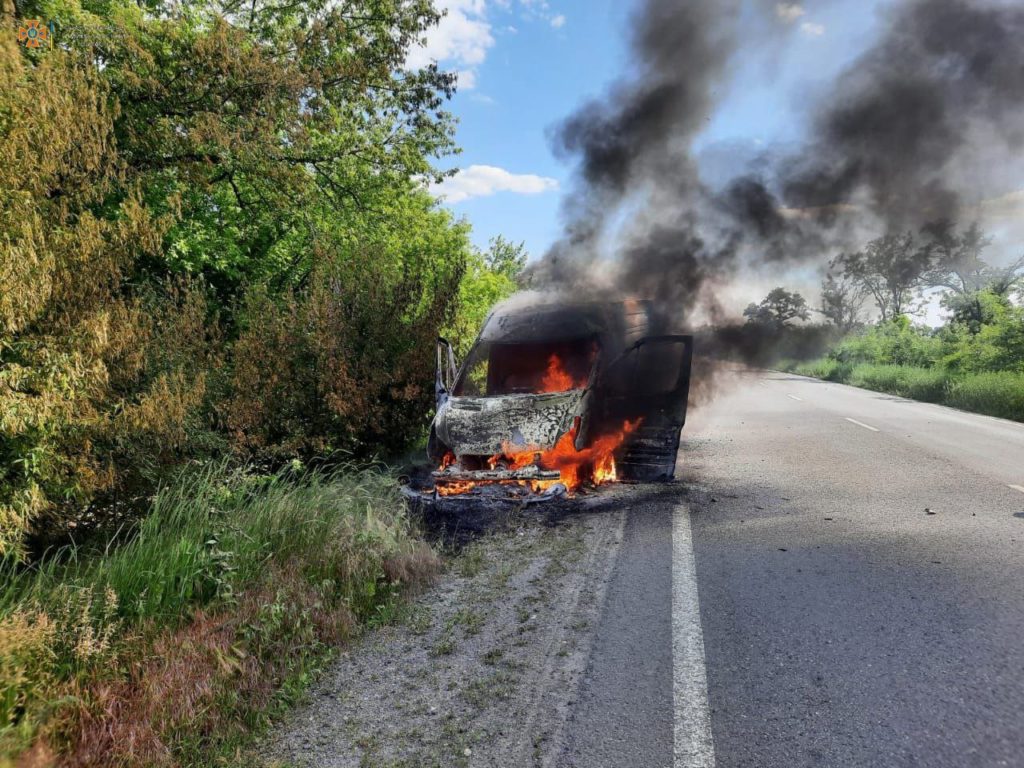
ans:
x=838 y=580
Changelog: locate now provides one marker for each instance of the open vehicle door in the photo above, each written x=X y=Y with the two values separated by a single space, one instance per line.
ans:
x=650 y=381
x=445 y=371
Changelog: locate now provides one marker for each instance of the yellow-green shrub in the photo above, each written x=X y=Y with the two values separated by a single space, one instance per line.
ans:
x=27 y=677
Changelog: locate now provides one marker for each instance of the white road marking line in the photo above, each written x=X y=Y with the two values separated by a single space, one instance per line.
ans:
x=693 y=745
x=861 y=424
x=1018 y=488
x=794 y=397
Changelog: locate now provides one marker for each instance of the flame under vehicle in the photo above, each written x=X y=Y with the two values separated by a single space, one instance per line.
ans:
x=553 y=397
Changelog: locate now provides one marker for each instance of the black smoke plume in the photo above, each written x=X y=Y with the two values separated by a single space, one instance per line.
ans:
x=925 y=122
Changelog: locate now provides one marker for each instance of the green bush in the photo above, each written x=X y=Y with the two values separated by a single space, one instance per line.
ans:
x=993 y=340
x=225 y=241
x=346 y=364
x=894 y=342
x=927 y=384
x=825 y=368
x=996 y=394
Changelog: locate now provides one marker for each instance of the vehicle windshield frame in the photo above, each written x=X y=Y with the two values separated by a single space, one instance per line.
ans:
x=484 y=346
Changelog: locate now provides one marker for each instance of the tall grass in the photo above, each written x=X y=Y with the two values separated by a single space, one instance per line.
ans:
x=233 y=586
x=215 y=530
x=927 y=384
x=825 y=368
x=995 y=394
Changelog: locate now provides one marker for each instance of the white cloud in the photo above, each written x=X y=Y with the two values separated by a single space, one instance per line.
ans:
x=538 y=10
x=461 y=40
x=484 y=180
x=789 y=12
x=483 y=98
x=464 y=35
x=811 y=29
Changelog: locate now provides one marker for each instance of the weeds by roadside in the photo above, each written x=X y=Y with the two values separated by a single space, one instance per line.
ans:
x=994 y=394
x=172 y=643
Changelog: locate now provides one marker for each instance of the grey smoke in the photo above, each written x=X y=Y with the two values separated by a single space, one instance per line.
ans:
x=924 y=120
x=921 y=124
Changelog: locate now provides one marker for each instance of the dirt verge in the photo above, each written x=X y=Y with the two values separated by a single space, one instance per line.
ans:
x=481 y=671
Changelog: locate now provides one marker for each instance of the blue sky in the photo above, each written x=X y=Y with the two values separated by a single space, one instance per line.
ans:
x=526 y=64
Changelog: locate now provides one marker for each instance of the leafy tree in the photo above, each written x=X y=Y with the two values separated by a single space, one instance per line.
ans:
x=506 y=258
x=891 y=269
x=489 y=278
x=195 y=198
x=842 y=301
x=957 y=266
x=778 y=308
x=895 y=341
x=972 y=311
x=260 y=121
x=92 y=366
x=989 y=337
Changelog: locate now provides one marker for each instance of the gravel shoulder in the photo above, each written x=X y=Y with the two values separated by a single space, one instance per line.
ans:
x=483 y=670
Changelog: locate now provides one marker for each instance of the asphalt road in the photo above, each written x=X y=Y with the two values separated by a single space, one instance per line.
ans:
x=836 y=580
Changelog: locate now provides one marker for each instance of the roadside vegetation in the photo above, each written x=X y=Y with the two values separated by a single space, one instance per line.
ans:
x=950 y=365
x=176 y=643
x=974 y=361
x=220 y=265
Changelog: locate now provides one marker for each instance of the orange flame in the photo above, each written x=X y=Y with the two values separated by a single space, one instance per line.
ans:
x=595 y=463
x=557 y=379
x=455 y=488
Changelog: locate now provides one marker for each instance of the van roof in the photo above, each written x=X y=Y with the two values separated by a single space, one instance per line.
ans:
x=565 y=321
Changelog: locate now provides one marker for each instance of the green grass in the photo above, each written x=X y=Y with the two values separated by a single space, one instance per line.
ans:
x=247 y=581
x=825 y=368
x=995 y=394
x=215 y=530
x=926 y=384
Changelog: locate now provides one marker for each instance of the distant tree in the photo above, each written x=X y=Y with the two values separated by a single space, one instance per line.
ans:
x=957 y=265
x=891 y=269
x=506 y=258
x=842 y=301
x=778 y=308
x=973 y=311
x=490 y=276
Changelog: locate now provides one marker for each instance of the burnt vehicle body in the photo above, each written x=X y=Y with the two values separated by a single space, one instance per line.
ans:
x=535 y=374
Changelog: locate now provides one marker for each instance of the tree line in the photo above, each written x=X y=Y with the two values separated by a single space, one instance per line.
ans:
x=892 y=273
x=215 y=239
x=973 y=361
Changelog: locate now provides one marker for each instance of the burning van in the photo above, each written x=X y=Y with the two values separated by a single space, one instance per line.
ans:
x=555 y=396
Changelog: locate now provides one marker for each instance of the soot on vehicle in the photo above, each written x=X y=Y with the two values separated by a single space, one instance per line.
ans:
x=553 y=400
